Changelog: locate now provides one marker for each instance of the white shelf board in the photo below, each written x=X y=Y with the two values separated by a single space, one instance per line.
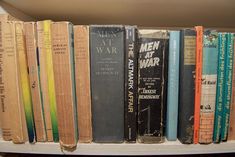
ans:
x=167 y=148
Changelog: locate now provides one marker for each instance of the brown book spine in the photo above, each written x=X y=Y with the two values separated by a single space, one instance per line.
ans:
x=82 y=75
x=44 y=81
x=231 y=131
x=30 y=34
x=63 y=62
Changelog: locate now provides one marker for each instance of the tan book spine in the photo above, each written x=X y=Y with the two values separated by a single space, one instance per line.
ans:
x=62 y=54
x=31 y=48
x=44 y=82
x=17 y=116
x=82 y=76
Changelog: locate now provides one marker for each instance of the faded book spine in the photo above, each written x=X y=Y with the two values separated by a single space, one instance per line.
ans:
x=43 y=81
x=173 y=86
x=153 y=50
x=131 y=82
x=187 y=86
x=219 y=87
x=24 y=80
x=227 y=86
x=33 y=64
x=209 y=78
x=107 y=82
x=63 y=67
x=82 y=75
x=50 y=78
x=198 y=78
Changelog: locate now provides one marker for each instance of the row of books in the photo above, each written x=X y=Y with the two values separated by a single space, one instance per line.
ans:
x=114 y=83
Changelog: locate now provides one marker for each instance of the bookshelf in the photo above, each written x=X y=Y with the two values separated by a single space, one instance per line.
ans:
x=144 y=13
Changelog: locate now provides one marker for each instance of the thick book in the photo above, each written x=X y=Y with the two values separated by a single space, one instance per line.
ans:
x=227 y=86
x=209 y=79
x=219 y=87
x=187 y=86
x=83 y=85
x=24 y=80
x=43 y=81
x=34 y=80
x=231 y=131
x=173 y=86
x=47 y=49
x=198 y=78
x=131 y=82
x=107 y=82
x=152 y=69
x=63 y=67
x=16 y=117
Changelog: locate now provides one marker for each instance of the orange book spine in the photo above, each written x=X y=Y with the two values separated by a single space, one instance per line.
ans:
x=198 y=78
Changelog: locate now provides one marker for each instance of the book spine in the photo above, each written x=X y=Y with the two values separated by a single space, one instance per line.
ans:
x=173 y=86
x=151 y=84
x=208 y=93
x=187 y=86
x=219 y=87
x=227 y=86
x=82 y=74
x=31 y=47
x=43 y=81
x=63 y=67
x=107 y=82
x=130 y=84
x=231 y=133
x=50 y=78
x=24 y=80
x=198 y=78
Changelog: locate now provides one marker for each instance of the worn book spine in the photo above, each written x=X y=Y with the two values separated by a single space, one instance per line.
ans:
x=153 y=50
x=219 y=87
x=231 y=131
x=173 y=86
x=198 y=78
x=43 y=81
x=63 y=66
x=50 y=77
x=82 y=75
x=107 y=82
x=24 y=80
x=227 y=86
x=209 y=79
x=187 y=86
x=131 y=82
x=16 y=117
x=33 y=64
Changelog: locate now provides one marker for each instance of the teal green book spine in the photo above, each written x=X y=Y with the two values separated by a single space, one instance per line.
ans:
x=219 y=87
x=227 y=86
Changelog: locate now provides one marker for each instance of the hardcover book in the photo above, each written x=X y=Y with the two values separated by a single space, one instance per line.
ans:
x=44 y=81
x=82 y=75
x=153 y=53
x=131 y=82
x=173 y=86
x=63 y=66
x=33 y=65
x=24 y=80
x=107 y=82
x=50 y=77
x=208 y=93
x=198 y=78
x=187 y=86
x=227 y=86
x=219 y=87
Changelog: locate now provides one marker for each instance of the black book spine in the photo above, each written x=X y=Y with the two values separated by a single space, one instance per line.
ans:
x=187 y=86
x=131 y=65
x=107 y=82
x=153 y=52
